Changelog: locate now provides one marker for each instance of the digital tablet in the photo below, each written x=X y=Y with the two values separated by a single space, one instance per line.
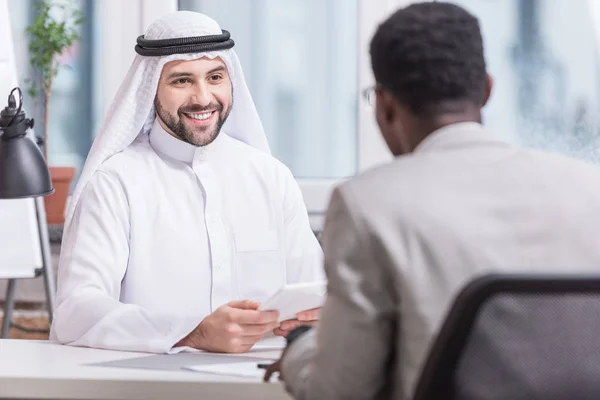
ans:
x=294 y=298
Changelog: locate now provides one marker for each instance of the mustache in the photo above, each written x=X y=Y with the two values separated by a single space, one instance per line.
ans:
x=197 y=108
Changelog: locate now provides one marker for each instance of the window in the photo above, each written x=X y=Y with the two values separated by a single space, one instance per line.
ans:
x=300 y=62
x=543 y=56
x=69 y=124
x=306 y=63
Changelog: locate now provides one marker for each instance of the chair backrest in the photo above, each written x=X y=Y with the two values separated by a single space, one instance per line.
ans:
x=518 y=337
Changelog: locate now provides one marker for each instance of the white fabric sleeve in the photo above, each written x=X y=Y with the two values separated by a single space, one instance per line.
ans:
x=304 y=256
x=347 y=356
x=93 y=262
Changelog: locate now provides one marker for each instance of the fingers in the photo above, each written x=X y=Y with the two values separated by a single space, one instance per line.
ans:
x=271 y=369
x=309 y=315
x=242 y=325
x=288 y=326
x=235 y=328
x=253 y=317
x=280 y=332
x=244 y=304
x=255 y=330
x=249 y=341
x=267 y=376
x=291 y=325
x=245 y=312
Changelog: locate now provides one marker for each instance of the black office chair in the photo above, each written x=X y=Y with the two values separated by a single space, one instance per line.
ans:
x=515 y=337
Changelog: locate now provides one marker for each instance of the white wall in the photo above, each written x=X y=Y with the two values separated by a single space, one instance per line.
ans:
x=115 y=38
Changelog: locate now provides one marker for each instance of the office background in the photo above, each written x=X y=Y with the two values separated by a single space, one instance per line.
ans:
x=307 y=61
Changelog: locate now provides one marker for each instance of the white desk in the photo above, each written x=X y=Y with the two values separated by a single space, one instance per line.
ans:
x=42 y=370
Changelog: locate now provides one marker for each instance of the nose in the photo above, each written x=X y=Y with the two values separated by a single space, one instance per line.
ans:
x=202 y=95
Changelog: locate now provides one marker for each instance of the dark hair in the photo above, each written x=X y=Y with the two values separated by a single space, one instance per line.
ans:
x=429 y=53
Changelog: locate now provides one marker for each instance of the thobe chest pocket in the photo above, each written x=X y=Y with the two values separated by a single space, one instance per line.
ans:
x=260 y=263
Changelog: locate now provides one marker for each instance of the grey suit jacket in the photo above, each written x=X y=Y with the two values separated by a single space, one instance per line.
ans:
x=401 y=240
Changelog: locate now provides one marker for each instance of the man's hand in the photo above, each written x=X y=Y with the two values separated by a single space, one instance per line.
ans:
x=309 y=317
x=272 y=369
x=232 y=328
x=277 y=365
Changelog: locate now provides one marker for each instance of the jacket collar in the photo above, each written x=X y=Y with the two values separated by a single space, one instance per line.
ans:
x=458 y=135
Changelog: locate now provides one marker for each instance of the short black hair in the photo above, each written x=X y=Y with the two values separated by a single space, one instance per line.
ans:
x=430 y=53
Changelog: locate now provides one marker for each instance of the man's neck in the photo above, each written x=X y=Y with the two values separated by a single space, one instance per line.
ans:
x=431 y=124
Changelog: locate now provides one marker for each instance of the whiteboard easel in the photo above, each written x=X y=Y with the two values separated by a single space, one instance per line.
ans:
x=24 y=243
x=20 y=252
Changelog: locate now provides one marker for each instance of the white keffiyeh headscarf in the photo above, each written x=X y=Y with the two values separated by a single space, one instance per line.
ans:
x=132 y=112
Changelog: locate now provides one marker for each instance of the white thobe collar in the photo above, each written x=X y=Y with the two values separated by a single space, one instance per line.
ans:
x=168 y=145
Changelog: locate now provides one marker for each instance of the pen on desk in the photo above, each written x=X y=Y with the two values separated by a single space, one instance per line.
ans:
x=263 y=366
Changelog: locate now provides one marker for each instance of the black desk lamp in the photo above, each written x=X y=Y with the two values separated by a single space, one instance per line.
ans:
x=24 y=174
x=23 y=170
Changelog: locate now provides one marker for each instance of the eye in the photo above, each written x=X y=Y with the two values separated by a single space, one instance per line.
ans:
x=215 y=78
x=181 y=81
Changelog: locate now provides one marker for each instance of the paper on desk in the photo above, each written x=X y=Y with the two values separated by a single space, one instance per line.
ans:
x=266 y=354
x=246 y=369
x=272 y=345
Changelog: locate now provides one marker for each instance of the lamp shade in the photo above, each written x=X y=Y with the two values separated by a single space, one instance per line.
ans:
x=23 y=170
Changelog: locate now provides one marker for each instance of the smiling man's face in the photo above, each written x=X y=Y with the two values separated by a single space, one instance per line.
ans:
x=194 y=99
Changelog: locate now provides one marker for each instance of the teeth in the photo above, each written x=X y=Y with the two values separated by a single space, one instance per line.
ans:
x=200 y=116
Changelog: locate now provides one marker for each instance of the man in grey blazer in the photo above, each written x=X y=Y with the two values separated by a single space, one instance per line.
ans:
x=401 y=240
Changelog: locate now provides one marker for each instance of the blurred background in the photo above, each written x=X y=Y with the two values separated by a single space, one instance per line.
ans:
x=306 y=61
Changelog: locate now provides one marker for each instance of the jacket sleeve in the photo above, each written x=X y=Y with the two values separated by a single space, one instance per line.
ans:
x=93 y=262
x=347 y=355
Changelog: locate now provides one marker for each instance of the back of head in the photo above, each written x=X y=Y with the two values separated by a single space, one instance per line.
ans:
x=430 y=55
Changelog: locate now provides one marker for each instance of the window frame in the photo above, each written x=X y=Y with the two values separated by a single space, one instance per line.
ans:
x=372 y=150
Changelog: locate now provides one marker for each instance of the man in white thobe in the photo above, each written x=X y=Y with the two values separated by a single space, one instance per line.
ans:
x=182 y=222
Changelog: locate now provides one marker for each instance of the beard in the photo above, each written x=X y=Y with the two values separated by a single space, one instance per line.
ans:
x=194 y=135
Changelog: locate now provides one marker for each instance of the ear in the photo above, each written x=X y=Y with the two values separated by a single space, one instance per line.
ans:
x=387 y=106
x=390 y=112
x=488 y=89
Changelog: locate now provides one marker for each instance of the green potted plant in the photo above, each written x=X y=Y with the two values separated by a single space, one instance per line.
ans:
x=53 y=31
